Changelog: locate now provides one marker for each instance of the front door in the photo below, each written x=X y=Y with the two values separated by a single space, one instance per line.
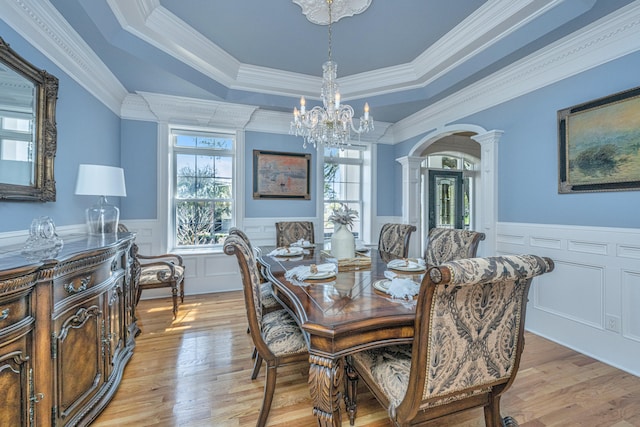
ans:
x=446 y=206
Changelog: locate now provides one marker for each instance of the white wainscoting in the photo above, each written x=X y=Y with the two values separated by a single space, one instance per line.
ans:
x=590 y=301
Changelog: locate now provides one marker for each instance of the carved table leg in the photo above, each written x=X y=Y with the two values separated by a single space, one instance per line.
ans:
x=325 y=378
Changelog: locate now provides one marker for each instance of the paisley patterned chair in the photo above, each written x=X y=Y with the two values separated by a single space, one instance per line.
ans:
x=268 y=301
x=394 y=239
x=467 y=344
x=160 y=271
x=288 y=232
x=276 y=335
x=448 y=244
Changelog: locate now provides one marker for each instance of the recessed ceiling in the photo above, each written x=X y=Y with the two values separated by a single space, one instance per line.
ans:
x=400 y=56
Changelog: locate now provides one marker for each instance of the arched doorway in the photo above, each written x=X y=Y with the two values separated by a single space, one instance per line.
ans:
x=485 y=209
x=450 y=175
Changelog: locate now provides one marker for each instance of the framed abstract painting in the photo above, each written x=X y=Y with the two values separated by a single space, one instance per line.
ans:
x=279 y=175
x=599 y=144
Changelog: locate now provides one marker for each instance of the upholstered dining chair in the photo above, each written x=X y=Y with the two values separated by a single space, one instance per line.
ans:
x=267 y=300
x=467 y=344
x=394 y=239
x=276 y=335
x=448 y=244
x=288 y=232
x=160 y=271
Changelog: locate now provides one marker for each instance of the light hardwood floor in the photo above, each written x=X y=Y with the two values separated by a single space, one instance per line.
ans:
x=195 y=371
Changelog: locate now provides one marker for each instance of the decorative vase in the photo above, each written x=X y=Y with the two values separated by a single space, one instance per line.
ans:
x=343 y=243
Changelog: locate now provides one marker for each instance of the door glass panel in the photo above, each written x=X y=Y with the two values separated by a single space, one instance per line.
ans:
x=446 y=201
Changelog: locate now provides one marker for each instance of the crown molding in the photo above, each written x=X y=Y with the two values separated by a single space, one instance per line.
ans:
x=151 y=22
x=609 y=38
x=41 y=24
x=177 y=109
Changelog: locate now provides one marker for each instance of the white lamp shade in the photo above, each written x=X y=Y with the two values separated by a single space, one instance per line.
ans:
x=99 y=180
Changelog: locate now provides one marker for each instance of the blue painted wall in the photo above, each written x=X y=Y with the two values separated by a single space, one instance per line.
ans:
x=88 y=132
x=388 y=199
x=528 y=153
x=139 y=161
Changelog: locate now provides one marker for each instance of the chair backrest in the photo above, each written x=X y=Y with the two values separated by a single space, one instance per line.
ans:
x=288 y=232
x=236 y=231
x=448 y=244
x=394 y=239
x=235 y=245
x=469 y=330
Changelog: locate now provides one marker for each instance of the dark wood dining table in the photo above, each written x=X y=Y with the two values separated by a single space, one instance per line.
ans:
x=340 y=315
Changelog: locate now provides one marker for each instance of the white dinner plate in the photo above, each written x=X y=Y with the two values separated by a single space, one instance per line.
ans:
x=291 y=251
x=382 y=285
x=321 y=275
x=305 y=246
x=403 y=265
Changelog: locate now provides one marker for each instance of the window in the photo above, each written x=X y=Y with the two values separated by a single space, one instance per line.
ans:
x=343 y=184
x=202 y=208
x=16 y=139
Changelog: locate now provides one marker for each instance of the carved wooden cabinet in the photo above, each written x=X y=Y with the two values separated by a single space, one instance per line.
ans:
x=67 y=330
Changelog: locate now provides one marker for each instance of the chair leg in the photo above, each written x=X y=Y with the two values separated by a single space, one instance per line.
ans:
x=174 y=298
x=254 y=353
x=269 y=388
x=182 y=291
x=256 y=366
x=492 y=417
x=351 y=390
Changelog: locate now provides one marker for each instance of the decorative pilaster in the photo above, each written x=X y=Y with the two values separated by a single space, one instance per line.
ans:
x=488 y=201
x=411 y=199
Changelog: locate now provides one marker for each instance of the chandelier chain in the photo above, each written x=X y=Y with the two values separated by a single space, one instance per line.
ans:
x=329 y=2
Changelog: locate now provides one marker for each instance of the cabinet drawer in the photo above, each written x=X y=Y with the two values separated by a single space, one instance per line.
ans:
x=81 y=281
x=13 y=310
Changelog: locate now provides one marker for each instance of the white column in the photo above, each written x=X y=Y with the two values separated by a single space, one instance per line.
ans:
x=488 y=191
x=411 y=200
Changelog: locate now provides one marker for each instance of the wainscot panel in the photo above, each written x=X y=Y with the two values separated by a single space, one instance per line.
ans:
x=589 y=303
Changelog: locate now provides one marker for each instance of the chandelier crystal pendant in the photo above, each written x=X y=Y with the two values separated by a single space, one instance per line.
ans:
x=332 y=124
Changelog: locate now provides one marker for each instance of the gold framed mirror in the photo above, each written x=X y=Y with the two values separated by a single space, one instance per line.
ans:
x=28 y=134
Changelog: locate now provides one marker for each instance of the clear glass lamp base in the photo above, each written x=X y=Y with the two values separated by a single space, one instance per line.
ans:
x=103 y=217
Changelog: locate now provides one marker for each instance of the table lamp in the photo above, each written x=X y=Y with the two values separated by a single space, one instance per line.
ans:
x=102 y=181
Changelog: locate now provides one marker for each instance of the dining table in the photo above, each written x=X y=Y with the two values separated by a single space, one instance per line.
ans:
x=340 y=313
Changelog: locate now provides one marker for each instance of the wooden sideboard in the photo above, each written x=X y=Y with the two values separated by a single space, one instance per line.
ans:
x=67 y=330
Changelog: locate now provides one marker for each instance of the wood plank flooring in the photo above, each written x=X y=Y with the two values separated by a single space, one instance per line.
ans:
x=195 y=371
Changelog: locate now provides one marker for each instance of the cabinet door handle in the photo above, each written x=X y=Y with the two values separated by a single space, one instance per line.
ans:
x=84 y=282
x=4 y=314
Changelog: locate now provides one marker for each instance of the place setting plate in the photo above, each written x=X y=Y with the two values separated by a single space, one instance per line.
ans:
x=407 y=265
x=303 y=272
x=291 y=251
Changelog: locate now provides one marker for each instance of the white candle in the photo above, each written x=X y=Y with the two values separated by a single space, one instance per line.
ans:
x=366 y=111
x=302 y=104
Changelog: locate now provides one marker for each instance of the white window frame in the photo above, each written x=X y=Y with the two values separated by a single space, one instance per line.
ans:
x=170 y=180
x=362 y=216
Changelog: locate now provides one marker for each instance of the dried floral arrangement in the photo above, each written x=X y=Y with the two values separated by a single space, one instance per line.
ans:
x=343 y=215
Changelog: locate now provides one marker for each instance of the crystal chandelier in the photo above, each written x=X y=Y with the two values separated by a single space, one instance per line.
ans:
x=332 y=124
